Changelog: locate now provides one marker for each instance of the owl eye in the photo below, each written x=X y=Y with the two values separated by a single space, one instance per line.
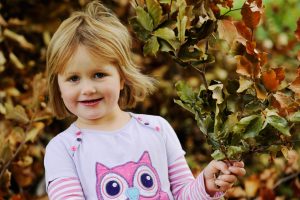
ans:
x=113 y=186
x=146 y=181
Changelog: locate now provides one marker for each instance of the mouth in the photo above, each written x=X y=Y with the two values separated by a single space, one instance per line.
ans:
x=90 y=102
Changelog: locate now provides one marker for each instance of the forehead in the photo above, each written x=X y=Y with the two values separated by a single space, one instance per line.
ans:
x=85 y=59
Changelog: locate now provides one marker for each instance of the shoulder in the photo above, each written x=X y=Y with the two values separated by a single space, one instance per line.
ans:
x=155 y=122
x=62 y=140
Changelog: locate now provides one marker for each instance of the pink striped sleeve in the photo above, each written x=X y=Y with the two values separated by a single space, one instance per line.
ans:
x=183 y=184
x=65 y=188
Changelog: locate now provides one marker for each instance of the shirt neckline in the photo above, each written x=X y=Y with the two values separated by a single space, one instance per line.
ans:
x=113 y=132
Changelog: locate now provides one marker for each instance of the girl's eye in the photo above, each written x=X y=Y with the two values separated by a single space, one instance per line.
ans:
x=73 y=78
x=99 y=75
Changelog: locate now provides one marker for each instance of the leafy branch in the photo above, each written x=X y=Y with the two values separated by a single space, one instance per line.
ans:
x=237 y=116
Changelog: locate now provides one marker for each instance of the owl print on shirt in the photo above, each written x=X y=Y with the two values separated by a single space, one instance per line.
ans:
x=130 y=181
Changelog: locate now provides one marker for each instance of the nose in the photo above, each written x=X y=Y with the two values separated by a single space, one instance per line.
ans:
x=133 y=193
x=88 y=88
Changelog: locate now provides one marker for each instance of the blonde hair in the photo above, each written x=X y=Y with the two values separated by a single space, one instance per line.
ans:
x=104 y=36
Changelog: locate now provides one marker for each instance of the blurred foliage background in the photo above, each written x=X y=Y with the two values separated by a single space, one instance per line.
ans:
x=26 y=123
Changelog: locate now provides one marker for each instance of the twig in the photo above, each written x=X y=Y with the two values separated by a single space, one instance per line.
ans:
x=18 y=149
x=202 y=75
x=230 y=10
x=284 y=179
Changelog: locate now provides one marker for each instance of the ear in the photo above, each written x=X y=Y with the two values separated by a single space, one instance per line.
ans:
x=145 y=158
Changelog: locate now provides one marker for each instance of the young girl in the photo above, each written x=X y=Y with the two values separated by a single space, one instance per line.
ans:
x=108 y=153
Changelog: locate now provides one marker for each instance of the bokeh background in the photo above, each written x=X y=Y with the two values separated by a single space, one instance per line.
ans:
x=26 y=123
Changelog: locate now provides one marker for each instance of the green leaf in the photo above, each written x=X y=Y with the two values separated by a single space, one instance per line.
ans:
x=241 y=126
x=165 y=1
x=234 y=152
x=279 y=123
x=217 y=90
x=144 y=18
x=253 y=107
x=155 y=11
x=218 y=155
x=229 y=124
x=165 y=33
x=184 y=105
x=168 y=35
x=181 y=20
x=185 y=92
x=151 y=47
x=232 y=103
x=181 y=26
x=139 y=30
x=254 y=128
x=295 y=117
x=181 y=4
x=165 y=46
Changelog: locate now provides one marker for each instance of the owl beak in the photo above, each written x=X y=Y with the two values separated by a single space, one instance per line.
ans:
x=133 y=193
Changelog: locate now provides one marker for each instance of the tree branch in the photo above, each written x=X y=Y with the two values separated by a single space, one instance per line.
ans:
x=285 y=179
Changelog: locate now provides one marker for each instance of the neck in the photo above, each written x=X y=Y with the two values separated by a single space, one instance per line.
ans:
x=114 y=121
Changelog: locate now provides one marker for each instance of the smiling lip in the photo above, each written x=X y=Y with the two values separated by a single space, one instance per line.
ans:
x=91 y=102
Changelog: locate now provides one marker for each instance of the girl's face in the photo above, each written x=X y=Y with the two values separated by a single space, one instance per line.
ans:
x=90 y=87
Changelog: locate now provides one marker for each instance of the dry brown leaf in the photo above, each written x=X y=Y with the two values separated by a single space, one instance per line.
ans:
x=17 y=113
x=252 y=185
x=236 y=192
x=243 y=30
x=2 y=21
x=251 y=13
x=15 y=60
x=295 y=85
x=36 y=129
x=297 y=32
x=227 y=31
x=19 y=39
x=272 y=78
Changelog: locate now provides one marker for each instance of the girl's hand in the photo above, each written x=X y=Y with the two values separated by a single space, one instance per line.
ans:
x=228 y=175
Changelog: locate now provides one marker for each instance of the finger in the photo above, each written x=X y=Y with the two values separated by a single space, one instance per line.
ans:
x=223 y=185
x=221 y=166
x=238 y=164
x=237 y=171
x=228 y=178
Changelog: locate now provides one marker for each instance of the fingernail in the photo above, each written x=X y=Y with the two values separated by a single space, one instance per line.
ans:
x=227 y=172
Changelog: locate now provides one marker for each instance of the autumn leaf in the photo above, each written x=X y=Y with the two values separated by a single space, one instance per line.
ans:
x=272 y=78
x=217 y=90
x=295 y=85
x=261 y=92
x=36 y=129
x=227 y=31
x=252 y=185
x=284 y=103
x=251 y=13
x=247 y=68
x=297 y=32
x=250 y=47
x=17 y=113
x=228 y=3
x=243 y=30
x=262 y=58
x=244 y=84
